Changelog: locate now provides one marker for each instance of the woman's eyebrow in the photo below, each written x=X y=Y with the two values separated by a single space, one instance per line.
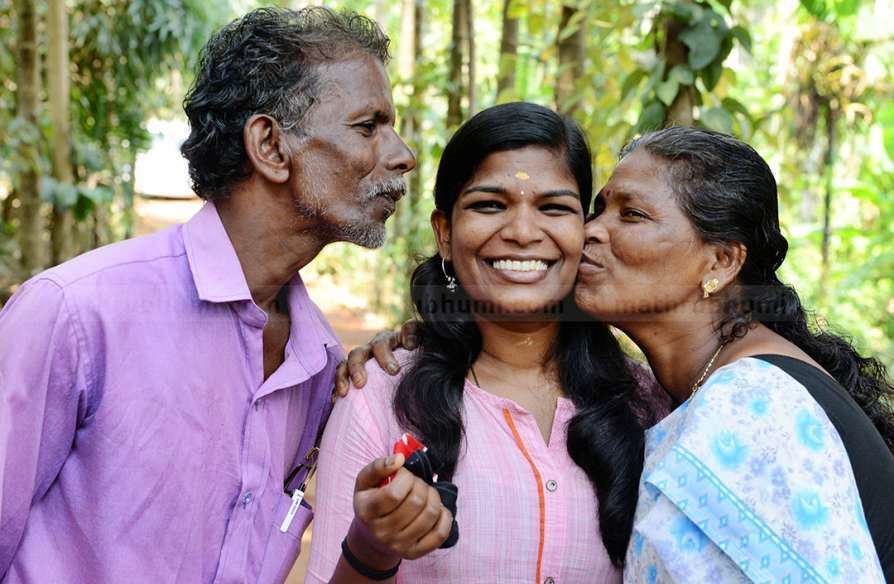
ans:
x=485 y=189
x=502 y=191
x=560 y=193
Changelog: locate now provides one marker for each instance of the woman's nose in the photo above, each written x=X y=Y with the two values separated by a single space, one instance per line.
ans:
x=522 y=228
x=595 y=231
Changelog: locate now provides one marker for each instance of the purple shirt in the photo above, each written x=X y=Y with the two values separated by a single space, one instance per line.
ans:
x=139 y=441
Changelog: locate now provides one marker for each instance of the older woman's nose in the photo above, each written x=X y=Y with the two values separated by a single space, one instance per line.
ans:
x=595 y=231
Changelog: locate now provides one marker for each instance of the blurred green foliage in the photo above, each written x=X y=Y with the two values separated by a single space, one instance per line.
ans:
x=785 y=76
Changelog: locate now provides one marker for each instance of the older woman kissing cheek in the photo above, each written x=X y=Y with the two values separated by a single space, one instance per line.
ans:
x=777 y=465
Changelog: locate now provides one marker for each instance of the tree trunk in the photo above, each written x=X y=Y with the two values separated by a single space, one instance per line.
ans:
x=829 y=168
x=470 y=51
x=414 y=135
x=59 y=91
x=508 y=54
x=30 y=228
x=6 y=210
x=571 y=58
x=455 y=85
x=130 y=190
x=680 y=112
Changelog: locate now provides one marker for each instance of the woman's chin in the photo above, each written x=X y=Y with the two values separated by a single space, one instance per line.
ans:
x=521 y=309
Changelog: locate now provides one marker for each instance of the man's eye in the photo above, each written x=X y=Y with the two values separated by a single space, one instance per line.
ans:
x=367 y=127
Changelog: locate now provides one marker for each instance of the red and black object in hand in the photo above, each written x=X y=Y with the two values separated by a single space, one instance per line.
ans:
x=423 y=464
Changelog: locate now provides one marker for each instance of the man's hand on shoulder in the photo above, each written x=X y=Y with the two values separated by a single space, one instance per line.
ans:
x=381 y=348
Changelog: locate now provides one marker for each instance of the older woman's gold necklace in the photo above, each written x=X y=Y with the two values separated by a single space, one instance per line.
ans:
x=695 y=386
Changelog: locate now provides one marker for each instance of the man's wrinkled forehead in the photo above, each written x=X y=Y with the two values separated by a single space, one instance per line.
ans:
x=354 y=87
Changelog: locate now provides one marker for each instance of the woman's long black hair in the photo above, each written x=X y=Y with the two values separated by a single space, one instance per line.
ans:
x=604 y=437
x=729 y=193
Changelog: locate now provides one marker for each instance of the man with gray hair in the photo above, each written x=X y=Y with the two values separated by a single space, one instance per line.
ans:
x=160 y=398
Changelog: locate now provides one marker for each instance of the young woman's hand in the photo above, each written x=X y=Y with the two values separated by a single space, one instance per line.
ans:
x=381 y=348
x=403 y=519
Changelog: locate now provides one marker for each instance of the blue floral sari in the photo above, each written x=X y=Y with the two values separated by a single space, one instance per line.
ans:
x=748 y=481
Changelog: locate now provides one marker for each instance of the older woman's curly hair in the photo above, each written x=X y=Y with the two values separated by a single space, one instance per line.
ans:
x=263 y=63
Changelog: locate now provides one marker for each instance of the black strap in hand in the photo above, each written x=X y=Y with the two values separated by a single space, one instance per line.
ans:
x=420 y=464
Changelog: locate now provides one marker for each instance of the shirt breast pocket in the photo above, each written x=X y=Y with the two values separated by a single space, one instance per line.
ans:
x=283 y=547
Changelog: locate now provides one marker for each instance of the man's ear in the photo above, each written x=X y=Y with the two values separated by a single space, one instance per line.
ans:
x=441 y=224
x=726 y=262
x=266 y=148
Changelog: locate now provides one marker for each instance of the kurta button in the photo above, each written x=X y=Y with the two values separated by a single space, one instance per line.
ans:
x=550 y=580
x=551 y=485
x=247 y=499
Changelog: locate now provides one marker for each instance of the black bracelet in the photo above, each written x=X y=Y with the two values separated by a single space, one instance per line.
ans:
x=362 y=568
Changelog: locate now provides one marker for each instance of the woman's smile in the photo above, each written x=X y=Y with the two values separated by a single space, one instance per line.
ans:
x=520 y=269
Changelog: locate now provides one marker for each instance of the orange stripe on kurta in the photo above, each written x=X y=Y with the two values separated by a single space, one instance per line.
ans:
x=540 y=496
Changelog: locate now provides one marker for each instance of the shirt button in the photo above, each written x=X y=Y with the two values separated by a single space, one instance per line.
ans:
x=551 y=485
x=247 y=499
x=549 y=580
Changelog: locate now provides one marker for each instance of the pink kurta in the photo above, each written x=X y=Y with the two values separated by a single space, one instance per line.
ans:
x=526 y=512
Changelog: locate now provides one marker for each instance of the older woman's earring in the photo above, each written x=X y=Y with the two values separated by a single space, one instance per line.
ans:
x=451 y=281
x=710 y=287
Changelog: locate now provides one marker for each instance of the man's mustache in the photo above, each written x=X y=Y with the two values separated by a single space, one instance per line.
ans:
x=393 y=188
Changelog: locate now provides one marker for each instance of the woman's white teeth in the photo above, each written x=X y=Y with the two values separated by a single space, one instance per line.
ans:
x=520 y=266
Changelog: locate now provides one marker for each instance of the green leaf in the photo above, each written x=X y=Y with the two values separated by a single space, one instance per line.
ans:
x=711 y=75
x=844 y=8
x=574 y=24
x=631 y=82
x=517 y=9
x=83 y=208
x=651 y=118
x=47 y=188
x=657 y=74
x=734 y=106
x=62 y=195
x=667 y=91
x=685 y=11
x=886 y=120
x=743 y=36
x=98 y=194
x=717 y=118
x=703 y=41
x=816 y=8
x=682 y=74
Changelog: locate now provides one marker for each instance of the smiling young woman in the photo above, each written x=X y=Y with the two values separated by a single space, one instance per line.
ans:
x=527 y=404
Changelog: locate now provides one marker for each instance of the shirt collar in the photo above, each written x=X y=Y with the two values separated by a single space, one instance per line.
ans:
x=216 y=270
x=307 y=320
x=218 y=277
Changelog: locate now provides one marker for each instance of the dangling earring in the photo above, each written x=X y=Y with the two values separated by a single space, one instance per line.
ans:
x=451 y=281
x=710 y=287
